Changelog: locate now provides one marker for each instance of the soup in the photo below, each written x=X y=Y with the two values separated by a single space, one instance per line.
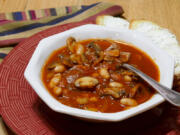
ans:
x=88 y=75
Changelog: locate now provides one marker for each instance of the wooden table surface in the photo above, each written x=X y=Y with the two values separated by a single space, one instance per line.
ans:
x=166 y=13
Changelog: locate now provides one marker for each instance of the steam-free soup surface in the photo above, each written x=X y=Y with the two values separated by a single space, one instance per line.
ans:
x=88 y=75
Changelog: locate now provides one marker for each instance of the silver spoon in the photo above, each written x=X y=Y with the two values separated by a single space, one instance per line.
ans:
x=170 y=95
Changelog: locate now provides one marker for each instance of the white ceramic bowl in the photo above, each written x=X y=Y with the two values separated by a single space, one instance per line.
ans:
x=48 y=45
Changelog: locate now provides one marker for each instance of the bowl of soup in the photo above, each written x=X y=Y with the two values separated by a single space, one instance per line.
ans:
x=79 y=73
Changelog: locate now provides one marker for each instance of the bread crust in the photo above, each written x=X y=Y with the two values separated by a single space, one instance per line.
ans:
x=99 y=20
x=134 y=23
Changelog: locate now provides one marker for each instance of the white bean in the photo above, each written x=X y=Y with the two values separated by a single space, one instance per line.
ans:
x=57 y=91
x=59 y=68
x=55 y=80
x=104 y=73
x=128 y=102
x=86 y=82
x=93 y=99
x=127 y=78
x=82 y=100
x=115 y=84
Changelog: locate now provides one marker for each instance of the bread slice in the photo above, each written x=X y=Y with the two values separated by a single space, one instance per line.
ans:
x=161 y=37
x=110 y=21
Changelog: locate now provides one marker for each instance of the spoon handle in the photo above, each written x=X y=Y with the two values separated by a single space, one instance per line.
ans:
x=170 y=95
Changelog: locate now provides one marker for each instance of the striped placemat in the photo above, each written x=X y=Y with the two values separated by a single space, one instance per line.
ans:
x=17 y=26
x=38 y=14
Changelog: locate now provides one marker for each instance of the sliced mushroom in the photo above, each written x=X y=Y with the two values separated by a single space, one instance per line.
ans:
x=134 y=90
x=94 y=53
x=111 y=52
x=71 y=43
x=111 y=92
x=86 y=82
x=114 y=92
x=79 y=49
x=108 y=58
x=137 y=88
x=65 y=60
x=112 y=47
x=52 y=65
x=114 y=53
x=76 y=59
x=124 y=56
x=84 y=59
x=100 y=58
x=95 y=46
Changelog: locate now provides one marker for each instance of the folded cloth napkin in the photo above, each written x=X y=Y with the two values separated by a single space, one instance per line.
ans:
x=17 y=26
